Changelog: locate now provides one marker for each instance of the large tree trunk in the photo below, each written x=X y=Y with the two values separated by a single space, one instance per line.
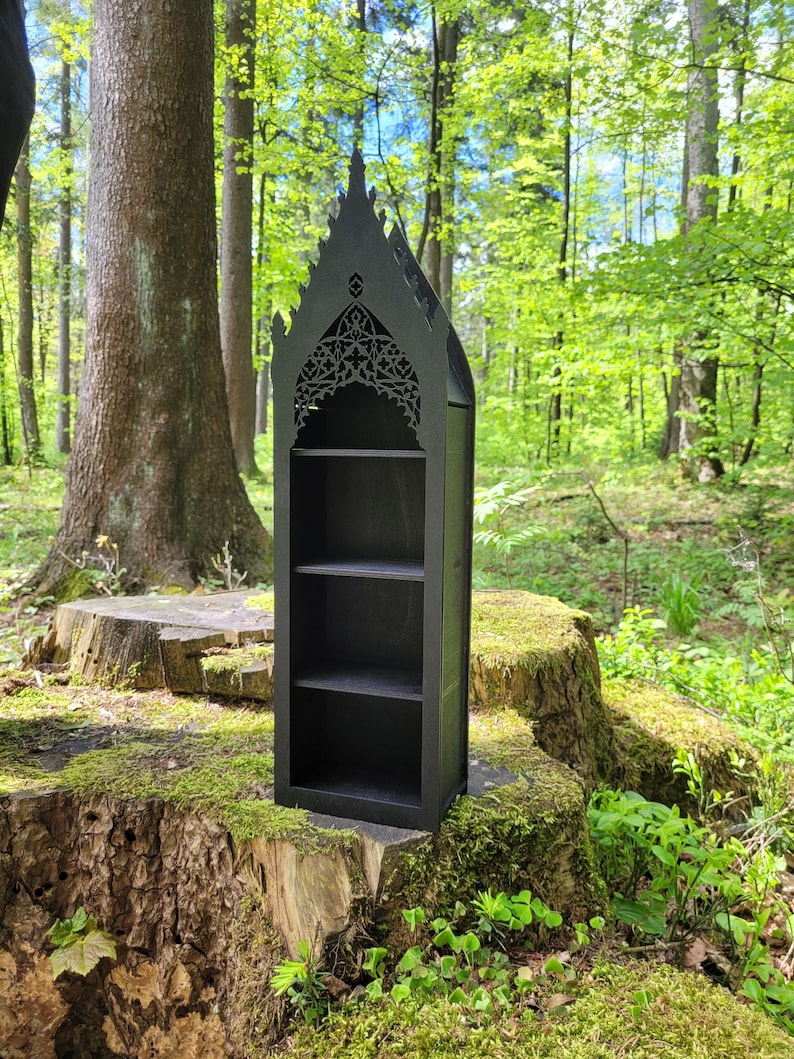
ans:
x=236 y=265
x=152 y=465
x=27 y=395
x=63 y=439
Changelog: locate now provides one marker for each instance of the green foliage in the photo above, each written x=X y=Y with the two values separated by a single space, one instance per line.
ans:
x=79 y=945
x=680 y=604
x=490 y=508
x=467 y=966
x=674 y=879
x=304 y=984
x=749 y=691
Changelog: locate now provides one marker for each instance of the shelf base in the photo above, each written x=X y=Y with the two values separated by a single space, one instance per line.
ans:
x=362 y=784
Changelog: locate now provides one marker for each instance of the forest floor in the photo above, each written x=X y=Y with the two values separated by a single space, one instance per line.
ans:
x=689 y=586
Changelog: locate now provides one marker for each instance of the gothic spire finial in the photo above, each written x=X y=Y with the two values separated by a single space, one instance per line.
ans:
x=357 y=185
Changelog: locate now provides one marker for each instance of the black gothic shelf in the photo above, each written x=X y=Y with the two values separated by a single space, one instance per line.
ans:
x=346 y=787
x=374 y=428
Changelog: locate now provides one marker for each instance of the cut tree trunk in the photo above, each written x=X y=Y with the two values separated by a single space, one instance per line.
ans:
x=536 y=654
x=150 y=641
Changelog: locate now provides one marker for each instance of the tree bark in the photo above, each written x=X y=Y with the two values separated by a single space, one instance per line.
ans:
x=152 y=465
x=63 y=439
x=263 y=352
x=236 y=264
x=555 y=401
x=27 y=395
x=5 y=434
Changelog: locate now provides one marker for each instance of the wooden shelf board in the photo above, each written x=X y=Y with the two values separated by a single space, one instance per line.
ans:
x=401 y=454
x=351 y=782
x=386 y=569
x=364 y=680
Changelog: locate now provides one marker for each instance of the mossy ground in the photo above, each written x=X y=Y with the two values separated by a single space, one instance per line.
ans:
x=685 y=1018
x=217 y=759
x=531 y=832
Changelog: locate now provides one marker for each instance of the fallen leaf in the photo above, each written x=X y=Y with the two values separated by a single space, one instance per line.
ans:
x=558 y=1000
x=694 y=955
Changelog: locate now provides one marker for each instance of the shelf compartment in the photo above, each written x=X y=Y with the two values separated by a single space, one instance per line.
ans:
x=357 y=507
x=357 y=746
x=357 y=416
x=364 y=680
x=386 y=569
x=354 y=622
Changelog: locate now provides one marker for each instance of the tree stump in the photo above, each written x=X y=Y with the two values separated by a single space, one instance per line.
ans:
x=536 y=654
x=150 y=641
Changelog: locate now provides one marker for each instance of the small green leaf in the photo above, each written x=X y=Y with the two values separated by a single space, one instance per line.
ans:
x=83 y=955
x=375 y=989
x=446 y=937
x=410 y=960
x=414 y=916
x=469 y=942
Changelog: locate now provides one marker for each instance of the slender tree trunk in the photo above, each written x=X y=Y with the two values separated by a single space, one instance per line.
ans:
x=27 y=395
x=669 y=442
x=236 y=264
x=262 y=396
x=738 y=94
x=555 y=402
x=263 y=352
x=358 y=114
x=63 y=439
x=758 y=372
x=697 y=420
x=8 y=454
x=435 y=248
x=152 y=465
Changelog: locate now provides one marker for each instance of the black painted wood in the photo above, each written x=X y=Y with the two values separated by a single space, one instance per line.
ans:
x=373 y=456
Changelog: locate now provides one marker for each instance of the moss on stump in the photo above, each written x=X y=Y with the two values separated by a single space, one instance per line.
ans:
x=536 y=654
x=651 y=724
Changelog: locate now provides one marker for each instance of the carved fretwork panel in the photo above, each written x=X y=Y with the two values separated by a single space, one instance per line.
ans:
x=357 y=348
